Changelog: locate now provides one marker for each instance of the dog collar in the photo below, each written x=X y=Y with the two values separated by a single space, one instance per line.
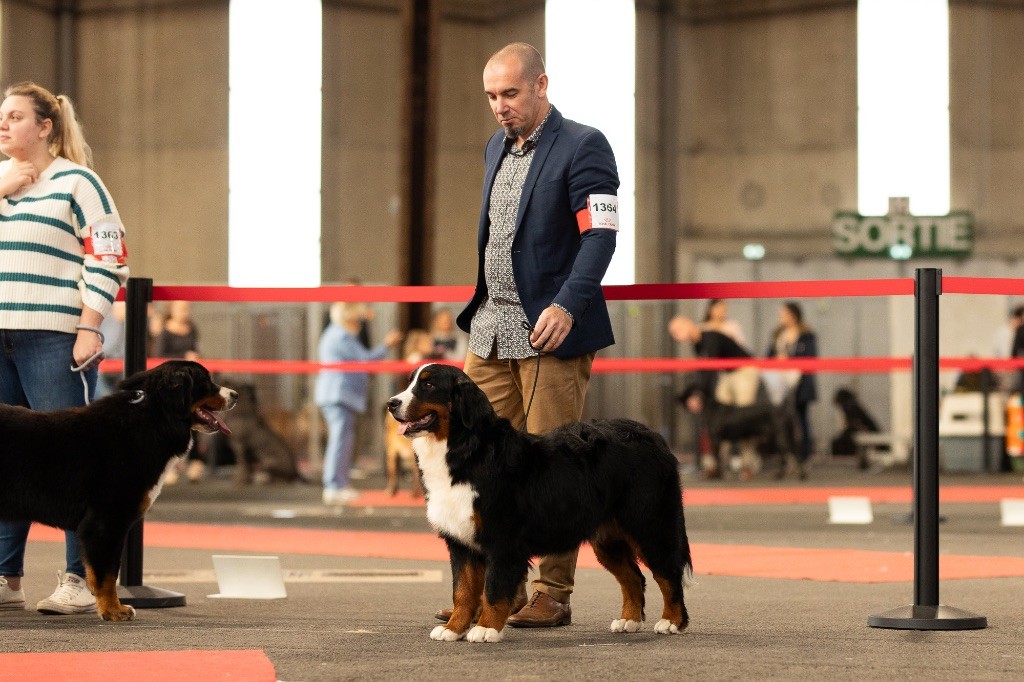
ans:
x=137 y=397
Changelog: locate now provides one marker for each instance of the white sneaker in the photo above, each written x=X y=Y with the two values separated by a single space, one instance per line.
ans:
x=337 y=498
x=71 y=596
x=11 y=600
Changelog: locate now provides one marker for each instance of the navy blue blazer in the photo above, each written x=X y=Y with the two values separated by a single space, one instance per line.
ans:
x=552 y=261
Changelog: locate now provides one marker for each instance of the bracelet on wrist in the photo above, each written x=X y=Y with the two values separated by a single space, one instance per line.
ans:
x=91 y=329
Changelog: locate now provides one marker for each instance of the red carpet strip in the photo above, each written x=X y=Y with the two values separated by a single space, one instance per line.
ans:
x=138 y=666
x=751 y=561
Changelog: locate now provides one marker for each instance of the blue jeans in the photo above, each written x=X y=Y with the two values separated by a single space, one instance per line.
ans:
x=35 y=372
x=341 y=440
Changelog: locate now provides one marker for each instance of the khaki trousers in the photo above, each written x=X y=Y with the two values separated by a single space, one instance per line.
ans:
x=561 y=389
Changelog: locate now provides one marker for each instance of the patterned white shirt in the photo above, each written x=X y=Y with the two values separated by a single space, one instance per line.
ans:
x=499 y=319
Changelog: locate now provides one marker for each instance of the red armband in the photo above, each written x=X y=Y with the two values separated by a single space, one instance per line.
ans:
x=104 y=240
x=601 y=212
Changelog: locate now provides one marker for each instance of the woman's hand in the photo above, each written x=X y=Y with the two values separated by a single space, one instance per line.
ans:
x=20 y=174
x=87 y=344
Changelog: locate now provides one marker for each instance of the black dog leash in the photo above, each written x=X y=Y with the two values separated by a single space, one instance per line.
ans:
x=536 y=374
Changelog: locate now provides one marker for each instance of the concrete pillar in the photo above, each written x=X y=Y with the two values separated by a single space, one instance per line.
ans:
x=419 y=155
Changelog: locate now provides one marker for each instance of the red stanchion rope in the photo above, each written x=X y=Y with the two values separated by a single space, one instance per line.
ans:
x=983 y=285
x=861 y=365
x=625 y=292
x=631 y=292
x=461 y=294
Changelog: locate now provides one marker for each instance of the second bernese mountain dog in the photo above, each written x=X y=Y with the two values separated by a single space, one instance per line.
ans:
x=97 y=469
x=499 y=497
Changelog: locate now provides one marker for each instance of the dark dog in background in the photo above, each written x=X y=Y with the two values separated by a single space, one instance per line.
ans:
x=98 y=469
x=499 y=496
x=258 y=451
x=761 y=425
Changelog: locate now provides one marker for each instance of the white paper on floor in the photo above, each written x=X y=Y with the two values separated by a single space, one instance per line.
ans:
x=248 y=577
x=850 y=510
x=1012 y=511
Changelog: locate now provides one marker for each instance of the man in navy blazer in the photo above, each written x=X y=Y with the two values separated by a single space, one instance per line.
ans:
x=556 y=259
x=548 y=225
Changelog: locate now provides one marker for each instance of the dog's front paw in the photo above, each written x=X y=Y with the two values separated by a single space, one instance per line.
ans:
x=443 y=634
x=482 y=634
x=666 y=627
x=119 y=614
x=623 y=625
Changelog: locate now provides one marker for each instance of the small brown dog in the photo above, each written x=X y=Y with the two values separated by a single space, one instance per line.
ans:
x=399 y=448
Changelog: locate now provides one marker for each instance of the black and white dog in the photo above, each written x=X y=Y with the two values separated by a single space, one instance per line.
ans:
x=499 y=497
x=97 y=469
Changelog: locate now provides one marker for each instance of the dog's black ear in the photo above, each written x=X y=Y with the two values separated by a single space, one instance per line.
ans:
x=181 y=383
x=470 y=403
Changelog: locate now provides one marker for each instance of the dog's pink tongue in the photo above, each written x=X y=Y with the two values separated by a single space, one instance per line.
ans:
x=402 y=428
x=220 y=424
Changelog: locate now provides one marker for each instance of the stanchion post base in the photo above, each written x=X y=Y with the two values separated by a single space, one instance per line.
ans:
x=939 y=617
x=143 y=597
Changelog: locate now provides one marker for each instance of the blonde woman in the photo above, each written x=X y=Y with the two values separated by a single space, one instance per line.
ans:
x=62 y=262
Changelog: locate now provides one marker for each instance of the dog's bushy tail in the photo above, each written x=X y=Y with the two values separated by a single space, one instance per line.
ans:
x=686 y=557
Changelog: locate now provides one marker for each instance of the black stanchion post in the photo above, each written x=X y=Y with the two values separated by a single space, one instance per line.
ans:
x=131 y=590
x=926 y=613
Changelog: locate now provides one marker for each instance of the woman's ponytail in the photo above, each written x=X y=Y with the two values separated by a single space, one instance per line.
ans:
x=68 y=140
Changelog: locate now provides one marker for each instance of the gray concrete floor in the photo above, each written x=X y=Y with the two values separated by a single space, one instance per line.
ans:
x=742 y=628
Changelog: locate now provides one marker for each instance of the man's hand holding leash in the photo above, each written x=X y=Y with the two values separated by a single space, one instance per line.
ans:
x=552 y=327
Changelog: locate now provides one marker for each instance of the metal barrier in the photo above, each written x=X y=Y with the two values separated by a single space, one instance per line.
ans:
x=926 y=613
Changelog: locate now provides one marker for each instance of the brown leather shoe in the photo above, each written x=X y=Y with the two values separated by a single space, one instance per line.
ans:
x=517 y=604
x=542 y=611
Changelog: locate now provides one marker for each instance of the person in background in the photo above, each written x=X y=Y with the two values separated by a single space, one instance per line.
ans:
x=178 y=338
x=1003 y=345
x=63 y=258
x=794 y=339
x=1017 y=351
x=341 y=396
x=716 y=319
x=1002 y=340
x=419 y=346
x=717 y=336
x=715 y=339
x=449 y=341
x=155 y=318
x=364 y=422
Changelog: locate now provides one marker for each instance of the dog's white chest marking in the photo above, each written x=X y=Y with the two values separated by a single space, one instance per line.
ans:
x=154 y=492
x=449 y=505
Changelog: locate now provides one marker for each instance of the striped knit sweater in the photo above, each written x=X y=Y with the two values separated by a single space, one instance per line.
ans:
x=61 y=246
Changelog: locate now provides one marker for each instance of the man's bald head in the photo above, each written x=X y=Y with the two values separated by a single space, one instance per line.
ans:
x=516 y=86
x=524 y=53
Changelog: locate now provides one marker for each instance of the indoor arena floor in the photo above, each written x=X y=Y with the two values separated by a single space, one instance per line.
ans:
x=780 y=593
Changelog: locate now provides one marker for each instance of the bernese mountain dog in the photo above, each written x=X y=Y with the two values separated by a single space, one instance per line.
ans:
x=97 y=469
x=499 y=497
